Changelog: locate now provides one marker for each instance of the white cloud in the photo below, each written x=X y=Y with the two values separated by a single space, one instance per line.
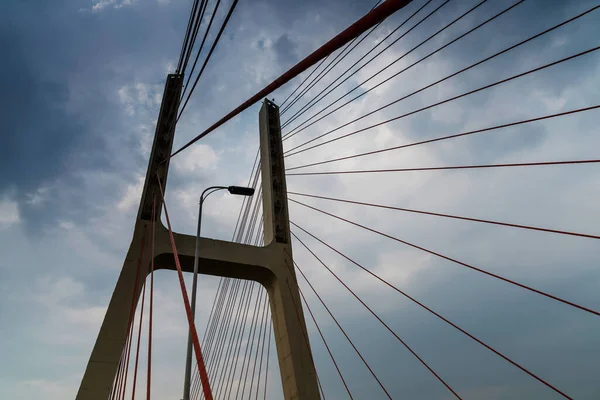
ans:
x=9 y=213
x=66 y=225
x=169 y=68
x=198 y=159
x=38 y=197
x=100 y=5
x=139 y=96
x=133 y=193
x=126 y=100
x=68 y=318
x=52 y=291
x=523 y=196
x=146 y=133
x=88 y=317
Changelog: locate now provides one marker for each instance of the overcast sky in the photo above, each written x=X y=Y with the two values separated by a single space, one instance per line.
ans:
x=81 y=87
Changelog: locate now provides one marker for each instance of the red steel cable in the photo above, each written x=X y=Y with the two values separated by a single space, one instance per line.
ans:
x=117 y=383
x=248 y=341
x=533 y=164
x=298 y=307
x=218 y=309
x=254 y=216
x=454 y=260
x=380 y=42
x=215 y=367
x=210 y=340
x=337 y=59
x=195 y=386
x=214 y=335
x=132 y=312
x=221 y=378
x=261 y=329
x=343 y=331
x=335 y=364
x=211 y=325
x=262 y=350
x=433 y=312
x=120 y=372
x=325 y=71
x=267 y=366
x=186 y=303
x=233 y=364
x=224 y=367
x=304 y=333
x=448 y=100
x=245 y=197
x=139 y=338
x=219 y=312
x=216 y=362
x=212 y=310
x=300 y=126
x=233 y=368
x=425 y=364
x=255 y=323
x=214 y=358
x=218 y=301
x=150 y=309
x=140 y=323
x=112 y=390
x=121 y=394
x=377 y=15
x=304 y=80
x=535 y=228
x=438 y=139
x=206 y=331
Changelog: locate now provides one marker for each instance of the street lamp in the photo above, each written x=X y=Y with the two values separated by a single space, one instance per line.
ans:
x=237 y=190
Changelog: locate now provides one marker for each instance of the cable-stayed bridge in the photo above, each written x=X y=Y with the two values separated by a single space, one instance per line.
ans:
x=265 y=299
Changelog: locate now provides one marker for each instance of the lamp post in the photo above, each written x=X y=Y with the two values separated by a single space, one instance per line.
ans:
x=237 y=190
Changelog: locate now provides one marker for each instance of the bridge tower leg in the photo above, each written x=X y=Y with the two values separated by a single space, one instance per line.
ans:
x=293 y=349
x=270 y=265
x=102 y=366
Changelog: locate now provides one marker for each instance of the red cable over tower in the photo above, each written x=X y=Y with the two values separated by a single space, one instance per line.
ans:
x=371 y=19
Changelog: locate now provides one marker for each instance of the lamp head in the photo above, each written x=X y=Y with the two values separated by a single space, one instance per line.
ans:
x=240 y=190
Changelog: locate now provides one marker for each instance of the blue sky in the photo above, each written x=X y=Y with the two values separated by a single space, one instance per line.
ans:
x=82 y=82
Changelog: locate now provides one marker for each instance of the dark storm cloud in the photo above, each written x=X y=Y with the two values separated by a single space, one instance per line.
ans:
x=38 y=132
x=61 y=71
x=63 y=65
x=72 y=97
